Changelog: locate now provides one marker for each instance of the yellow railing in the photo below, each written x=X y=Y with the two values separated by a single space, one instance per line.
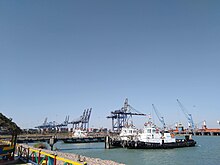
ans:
x=41 y=157
x=5 y=142
x=6 y=149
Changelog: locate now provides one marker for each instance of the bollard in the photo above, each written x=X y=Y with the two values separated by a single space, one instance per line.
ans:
x=107 y=142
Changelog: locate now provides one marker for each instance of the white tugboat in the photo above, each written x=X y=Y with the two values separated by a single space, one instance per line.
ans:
x=153 y=138
x=152 y=134
x=128 y=132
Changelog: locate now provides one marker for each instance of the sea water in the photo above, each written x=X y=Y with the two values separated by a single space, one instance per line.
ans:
x=206 y=152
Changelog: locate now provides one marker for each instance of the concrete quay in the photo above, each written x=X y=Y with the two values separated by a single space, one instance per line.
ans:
x=200 y=132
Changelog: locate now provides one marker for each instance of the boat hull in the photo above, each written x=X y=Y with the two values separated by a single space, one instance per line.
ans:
x=147 y=145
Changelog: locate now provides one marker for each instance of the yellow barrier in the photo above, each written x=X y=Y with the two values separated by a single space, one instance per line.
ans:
x=5 y=142
x=39 y=152
x=6 y=149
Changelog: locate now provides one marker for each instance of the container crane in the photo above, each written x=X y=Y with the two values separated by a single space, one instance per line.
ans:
x=187 y=115
x=121 y=117
x=161 y=119
x=83 y=121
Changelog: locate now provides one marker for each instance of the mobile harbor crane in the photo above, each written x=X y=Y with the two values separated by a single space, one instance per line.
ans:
x=188 y=116
x=161 y=119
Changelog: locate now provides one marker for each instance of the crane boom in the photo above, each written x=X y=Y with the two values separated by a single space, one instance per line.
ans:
x=188 y=115
x=161 y=119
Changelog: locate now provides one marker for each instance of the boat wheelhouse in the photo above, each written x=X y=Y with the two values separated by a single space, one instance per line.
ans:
x=152 y=134
x=128 y=132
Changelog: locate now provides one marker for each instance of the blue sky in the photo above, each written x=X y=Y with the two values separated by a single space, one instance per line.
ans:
x=58 y=58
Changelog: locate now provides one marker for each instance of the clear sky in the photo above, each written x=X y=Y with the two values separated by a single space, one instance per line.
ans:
x=58 y=58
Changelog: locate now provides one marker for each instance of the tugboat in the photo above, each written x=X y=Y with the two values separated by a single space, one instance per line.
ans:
x=128 y=132
x=153 y=138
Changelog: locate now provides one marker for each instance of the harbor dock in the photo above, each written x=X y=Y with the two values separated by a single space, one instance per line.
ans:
x=200 y=132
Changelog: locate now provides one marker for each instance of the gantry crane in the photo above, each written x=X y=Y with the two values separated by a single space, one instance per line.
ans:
x=121 y=117
x=161 y=119
x=53 y=124
x=83 y=121
x=188 y=116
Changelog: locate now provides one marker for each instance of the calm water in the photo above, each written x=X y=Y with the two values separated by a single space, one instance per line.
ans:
x=207 y=152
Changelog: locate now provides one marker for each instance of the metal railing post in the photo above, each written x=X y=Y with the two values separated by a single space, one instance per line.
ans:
x=38 y=161
x=55 y=160
x=21 y=151
x=28 y=154
x=46 y=159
